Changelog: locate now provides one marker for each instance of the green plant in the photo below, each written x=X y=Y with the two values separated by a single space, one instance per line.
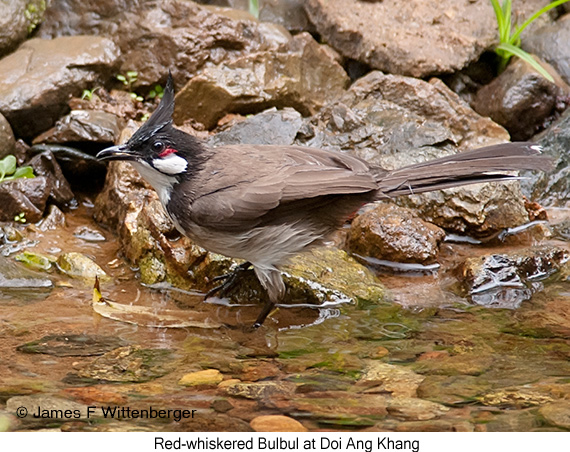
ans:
x=157 y=91
x=128 y=79
x=510 y=41
x=20 y=218
x=254 y=8
x=9 y=170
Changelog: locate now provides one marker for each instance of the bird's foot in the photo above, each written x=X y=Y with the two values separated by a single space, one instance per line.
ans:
x=263 y=314
x=229 y=280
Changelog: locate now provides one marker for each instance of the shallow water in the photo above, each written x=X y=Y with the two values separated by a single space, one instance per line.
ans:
x=429 y=360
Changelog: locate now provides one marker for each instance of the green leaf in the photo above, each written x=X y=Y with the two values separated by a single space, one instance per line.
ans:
x=7 y=166
x=513 y=39
x=254 y=8
x=26 y=172
x=516 y=51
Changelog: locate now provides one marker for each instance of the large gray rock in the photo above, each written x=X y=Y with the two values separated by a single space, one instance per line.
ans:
x=40 y=76
x=550 y=43
x=156 y=36
x=415 y=37
x=552 y=188
x=393 y=121
x=301 y=74
x=17 y=20
x=519 y=90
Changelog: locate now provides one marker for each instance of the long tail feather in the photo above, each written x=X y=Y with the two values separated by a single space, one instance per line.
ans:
x=488 y=164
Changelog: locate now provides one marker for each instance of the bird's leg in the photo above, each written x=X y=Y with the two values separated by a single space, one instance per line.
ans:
x=229 y=279
x=263 y=314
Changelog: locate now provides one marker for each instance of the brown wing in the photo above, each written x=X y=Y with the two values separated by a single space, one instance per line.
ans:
x=245 y=184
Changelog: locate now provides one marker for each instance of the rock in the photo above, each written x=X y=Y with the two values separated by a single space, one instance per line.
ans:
x=393 y=121
x=89 y=234
x=15 y=277
x=550 y=320
x=557 y=413
x=506 y=280
x=222 y=405
x=45 y=164
x=41 y=75
x=300 y=74
x=417 y=39
x=24 y=196
x=452 y=390
x=514 y=398
x=77 y=265
x=125 y=364
x=396 y=234
x=412 y=409
x=167 y=34
x=255 y=370
x=512 y=421
x=435 y=425
x=55 y=219
x=269 y=127
x=460 y=364
x=518 y=90
x=78 y=167
x=552 y=188
x=93 y=395
x=287 y=13
x=72 y=345
x=548 y=43
x=35 y=261
x=260 y=390
x=19 y=18
x=7 y=140
x=84 y=126
x=207 y=377
x=387 y=378
x=276 y=423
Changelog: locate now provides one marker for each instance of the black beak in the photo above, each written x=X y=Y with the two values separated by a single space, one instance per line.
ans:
x=121 y=152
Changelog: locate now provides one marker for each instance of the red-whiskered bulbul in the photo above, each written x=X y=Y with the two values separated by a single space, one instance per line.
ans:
x=265 y=204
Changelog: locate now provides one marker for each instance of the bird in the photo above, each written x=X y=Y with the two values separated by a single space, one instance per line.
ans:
x=266 y=203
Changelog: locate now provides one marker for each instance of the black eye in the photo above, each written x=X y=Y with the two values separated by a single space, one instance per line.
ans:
x=158 y=146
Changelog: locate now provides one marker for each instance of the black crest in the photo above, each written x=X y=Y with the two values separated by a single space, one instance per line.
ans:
x=161 y=117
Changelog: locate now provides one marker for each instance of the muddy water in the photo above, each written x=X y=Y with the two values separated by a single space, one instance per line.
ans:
x=430 y=360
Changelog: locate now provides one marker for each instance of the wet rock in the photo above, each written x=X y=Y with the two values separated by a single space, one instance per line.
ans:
x=41 y=75
x=387 y=378
x=207 y=377
x=506 y=280
x=460 y=364
x=78 y=265
x=276 y=423
x=54 y=219
x=125 y=364
x=168 y=34
x=552 y=188
x=47 y=406
x=413 y=409
x=8 y=422
x=435 y=425
x=557 y=413
x=287 y=13
x=210 y=422
x=269 y=127
x=395 y=234
x=546 y=321
x=222 y=405
x=89 y=234
x=255 y=370
x=512 y=421
x=19 y=18
x=84 y=126
x=514 y=398
x=301 y=74
x=7 y=140
x=78 y=167
x=35 y=261
x=416 y=39
x=518 y=90
x=548 y=43
x=393 y=121
x=260 y=390
x=452 y=390
x=93 y=395
x=72 y=345
x=24 y=196
x=15 y=277
x=45 y=164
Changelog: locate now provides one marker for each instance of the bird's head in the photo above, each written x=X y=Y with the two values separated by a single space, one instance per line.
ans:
x=160 y=152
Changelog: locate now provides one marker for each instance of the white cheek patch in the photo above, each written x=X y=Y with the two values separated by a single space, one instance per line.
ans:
x=171 y=164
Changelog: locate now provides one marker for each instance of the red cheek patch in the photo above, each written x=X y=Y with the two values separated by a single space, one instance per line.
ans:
x=166 y=152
